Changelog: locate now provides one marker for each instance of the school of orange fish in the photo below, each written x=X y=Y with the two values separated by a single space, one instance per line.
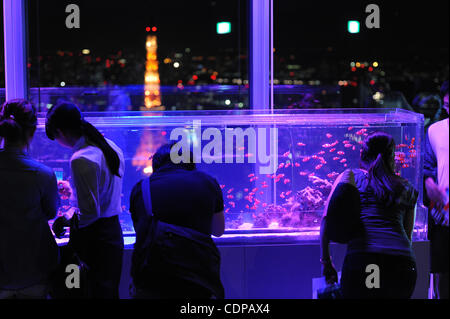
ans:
x=301 y=208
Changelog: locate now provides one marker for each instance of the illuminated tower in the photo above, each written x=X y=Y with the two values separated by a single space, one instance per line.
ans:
x=152 y=93
x=150 y=141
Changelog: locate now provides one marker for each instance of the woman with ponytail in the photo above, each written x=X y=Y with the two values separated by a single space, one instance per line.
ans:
x=97 y=167
x=28 y=200
x=387 y=205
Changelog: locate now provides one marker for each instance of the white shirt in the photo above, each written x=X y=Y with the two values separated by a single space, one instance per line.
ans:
x=98 y=191
x=438 y=134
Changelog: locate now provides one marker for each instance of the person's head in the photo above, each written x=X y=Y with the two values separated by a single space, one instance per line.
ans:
x=378 y=158
x=444 y=95
x=66 y=125
x=162 y=158
x=18 y=122
x=378 y=148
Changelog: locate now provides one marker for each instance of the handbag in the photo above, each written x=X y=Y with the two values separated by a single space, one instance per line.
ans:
x=167 y=249
x=66 y=284
x=330 y=292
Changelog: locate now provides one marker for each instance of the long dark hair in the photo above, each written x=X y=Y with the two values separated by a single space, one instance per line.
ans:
x=378 y=158
x=17 y=120
x=67 y=117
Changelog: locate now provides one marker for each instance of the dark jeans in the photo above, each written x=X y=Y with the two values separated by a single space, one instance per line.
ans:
x=100 y=246
x=439 y=258
x=397 y=276
x=439 y=249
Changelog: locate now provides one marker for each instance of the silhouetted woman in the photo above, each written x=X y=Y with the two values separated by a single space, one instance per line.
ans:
x=28 y=199
x=97 y=167
x=383 y=250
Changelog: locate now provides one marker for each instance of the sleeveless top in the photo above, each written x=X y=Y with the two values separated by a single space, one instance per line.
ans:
x=383 y=226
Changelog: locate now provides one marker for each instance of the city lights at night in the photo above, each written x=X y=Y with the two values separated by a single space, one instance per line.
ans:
x=243 y=153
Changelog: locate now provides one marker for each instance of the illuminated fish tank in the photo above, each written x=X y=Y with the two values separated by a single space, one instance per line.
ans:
x=275 y=168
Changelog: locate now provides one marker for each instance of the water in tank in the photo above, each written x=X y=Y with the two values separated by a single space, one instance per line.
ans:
x=275 y=168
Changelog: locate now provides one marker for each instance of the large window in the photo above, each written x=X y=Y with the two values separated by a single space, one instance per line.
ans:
x=177 y=54
x=139 y=55
x=390 y=66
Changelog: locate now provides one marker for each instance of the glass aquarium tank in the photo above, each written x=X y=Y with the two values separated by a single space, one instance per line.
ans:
x=275 y=168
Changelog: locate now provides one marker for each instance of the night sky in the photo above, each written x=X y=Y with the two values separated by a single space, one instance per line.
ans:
x=114 y=25
x=407 y=27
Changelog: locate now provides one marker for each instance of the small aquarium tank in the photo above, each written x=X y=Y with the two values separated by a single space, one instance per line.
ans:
x=275 y=168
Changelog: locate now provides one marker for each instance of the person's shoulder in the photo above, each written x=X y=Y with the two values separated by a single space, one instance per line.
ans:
x=41 y=169
x=87 y=154
x=114 y=146
x=83 y=161
x=359 y=177
x=44 y=169
x=136 y=188
x=359 y=173
x=203 y=175
x=88 y=150
x=207 y=179
x=436 y=127
x=349 y=176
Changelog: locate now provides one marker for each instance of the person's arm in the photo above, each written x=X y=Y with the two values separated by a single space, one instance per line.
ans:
x=429 y=161
x=324 y=241
x=435 y=194
x=409 y=221
x=50 y=200
x=85 y=179
x=137 y=207
x=218 y=218
x=346 y=176
x=410 y=197
x=218 y=224
x=328 y=269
